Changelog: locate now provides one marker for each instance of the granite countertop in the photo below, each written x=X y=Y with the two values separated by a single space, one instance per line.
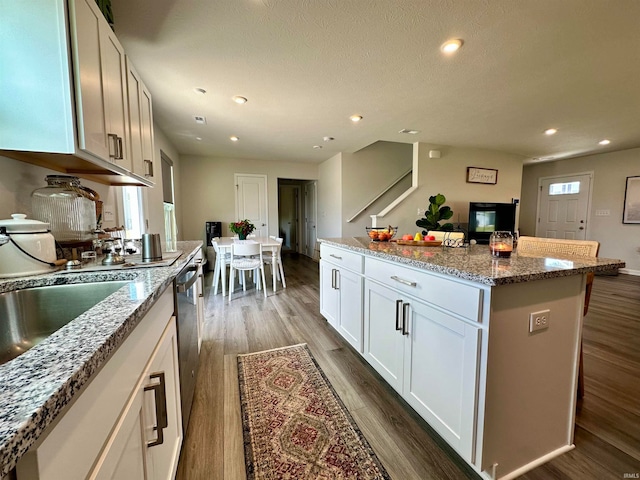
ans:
x=36 y=386
x=475 y=263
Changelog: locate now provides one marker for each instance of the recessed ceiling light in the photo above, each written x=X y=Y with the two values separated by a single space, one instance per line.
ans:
x=451 y=46
x=551 y=131
x=200 y=119
x=604 y=142
x=201 y=91
x=410 y=132
x=239 y=100
x=317 y=146
x=233 y=138
x=198 y=138
x=328 y=139
x=355 y=118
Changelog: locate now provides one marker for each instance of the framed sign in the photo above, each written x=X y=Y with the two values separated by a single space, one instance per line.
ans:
x=482 y=175
x=632 y=201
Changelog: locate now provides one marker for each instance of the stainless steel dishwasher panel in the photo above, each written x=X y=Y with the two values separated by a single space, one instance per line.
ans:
x=187 y=316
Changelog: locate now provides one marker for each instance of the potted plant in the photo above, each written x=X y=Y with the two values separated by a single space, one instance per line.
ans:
x=242 y=228
x=435 y=214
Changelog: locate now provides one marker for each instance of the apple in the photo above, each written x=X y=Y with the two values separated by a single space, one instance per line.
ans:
x=407 y=237
x=430 y=238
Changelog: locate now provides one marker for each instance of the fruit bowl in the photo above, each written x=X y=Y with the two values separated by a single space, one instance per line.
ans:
x=381 y=234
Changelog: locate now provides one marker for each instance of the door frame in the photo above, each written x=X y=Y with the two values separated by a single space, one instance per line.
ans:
x=266 y=194
x=589 y=198
x=299 y=206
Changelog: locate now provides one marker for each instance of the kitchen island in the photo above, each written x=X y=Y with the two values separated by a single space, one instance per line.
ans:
x=484 y=349
x=39 y=387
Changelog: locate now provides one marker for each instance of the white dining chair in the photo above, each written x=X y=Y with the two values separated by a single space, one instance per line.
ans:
x=223 y=259
x=268 y=260
x=246 y=257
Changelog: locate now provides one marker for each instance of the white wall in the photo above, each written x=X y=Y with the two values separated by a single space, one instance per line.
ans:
x=617 y=240
x=330 y=197
x=208 y=190
x=447 y=175
x=365 y=175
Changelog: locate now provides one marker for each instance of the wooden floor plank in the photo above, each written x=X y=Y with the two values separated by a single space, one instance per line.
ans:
x=607 y=435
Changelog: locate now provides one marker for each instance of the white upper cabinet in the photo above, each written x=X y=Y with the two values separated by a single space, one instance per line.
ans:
x=141 y=146
x=64 y=84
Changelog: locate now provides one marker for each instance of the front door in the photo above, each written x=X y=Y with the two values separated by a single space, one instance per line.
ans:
x=563 y=206
x=251 y=201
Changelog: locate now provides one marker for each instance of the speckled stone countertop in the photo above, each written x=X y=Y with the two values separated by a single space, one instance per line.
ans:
x=35 y=387
x=475 y=263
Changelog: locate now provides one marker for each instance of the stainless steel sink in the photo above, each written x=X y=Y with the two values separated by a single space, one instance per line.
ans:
x=29 y=316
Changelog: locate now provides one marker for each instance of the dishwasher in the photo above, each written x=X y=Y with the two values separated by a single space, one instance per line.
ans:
x=186 y=297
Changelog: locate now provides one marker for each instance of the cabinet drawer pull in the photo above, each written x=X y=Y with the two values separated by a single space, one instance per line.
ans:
x=114 y=137
x=335 y=256
x=160 y=394
x=398 y=308
x=405 y=319
x=409 y=283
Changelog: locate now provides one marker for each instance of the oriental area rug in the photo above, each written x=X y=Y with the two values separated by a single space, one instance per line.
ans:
x=294 y=424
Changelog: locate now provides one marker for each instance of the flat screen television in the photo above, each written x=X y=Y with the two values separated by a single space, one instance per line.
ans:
x=485 y=218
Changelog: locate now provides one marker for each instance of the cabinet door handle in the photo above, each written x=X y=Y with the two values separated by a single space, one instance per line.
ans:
x=398 y=308
x=337 y=279
x=405 y=319
x=149 y=173
x=403 y=281
x=201 y=285
x=160 y=397
x=120 y=149
x=113 y=137
x=335 y=256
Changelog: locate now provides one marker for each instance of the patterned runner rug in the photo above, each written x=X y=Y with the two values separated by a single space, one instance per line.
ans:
x=294 y=424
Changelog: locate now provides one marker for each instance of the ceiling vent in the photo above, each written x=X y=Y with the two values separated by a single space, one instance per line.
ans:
x=200 y=120
x=410 y=132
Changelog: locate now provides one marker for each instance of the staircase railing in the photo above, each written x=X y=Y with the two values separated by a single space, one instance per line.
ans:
x=393 y=184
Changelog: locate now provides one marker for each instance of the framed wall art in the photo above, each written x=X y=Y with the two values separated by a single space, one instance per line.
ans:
x=631 y=212
x=482 y=175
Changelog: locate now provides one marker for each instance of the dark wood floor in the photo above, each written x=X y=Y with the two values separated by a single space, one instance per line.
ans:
x=607 y=434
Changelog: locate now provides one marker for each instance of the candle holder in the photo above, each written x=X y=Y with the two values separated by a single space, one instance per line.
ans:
x=501 y=244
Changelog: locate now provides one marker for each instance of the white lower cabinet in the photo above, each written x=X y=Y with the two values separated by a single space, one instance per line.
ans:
x=147 y=439
x=341 y=301
x=127 y=422
x=428 y=356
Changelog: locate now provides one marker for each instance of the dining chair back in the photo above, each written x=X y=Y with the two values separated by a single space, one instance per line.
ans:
x=223 y=259
x=268 y=260
x=246 y=256
x=559 y=246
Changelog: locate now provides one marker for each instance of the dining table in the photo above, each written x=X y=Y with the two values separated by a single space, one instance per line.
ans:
x=268 y=244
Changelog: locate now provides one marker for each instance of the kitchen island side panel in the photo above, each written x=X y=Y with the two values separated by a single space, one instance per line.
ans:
x=531 y=378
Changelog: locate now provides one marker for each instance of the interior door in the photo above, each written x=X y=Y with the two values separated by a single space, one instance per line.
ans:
x=310 y=218
x=288 y=221
x=251 y=201
x=563 y=207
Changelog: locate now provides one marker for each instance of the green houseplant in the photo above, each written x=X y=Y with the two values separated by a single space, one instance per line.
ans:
x=436 y=212
x=242 y=228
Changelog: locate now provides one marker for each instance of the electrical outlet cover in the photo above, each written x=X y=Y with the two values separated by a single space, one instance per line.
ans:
x=539 y=320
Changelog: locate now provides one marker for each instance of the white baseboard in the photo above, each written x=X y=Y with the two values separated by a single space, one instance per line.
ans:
x=628 y=271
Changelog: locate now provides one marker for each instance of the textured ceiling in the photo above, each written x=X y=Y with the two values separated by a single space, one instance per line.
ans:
x=307 y=65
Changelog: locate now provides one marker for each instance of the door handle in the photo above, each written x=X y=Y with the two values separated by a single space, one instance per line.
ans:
x=113 y=137
x=405 y=319
x=160 y=398
x=149 y=172
x=120 y=149
x=333 y=278
x=398 y=308
x=202 y=285
x=337 y=279
x=580 y=228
